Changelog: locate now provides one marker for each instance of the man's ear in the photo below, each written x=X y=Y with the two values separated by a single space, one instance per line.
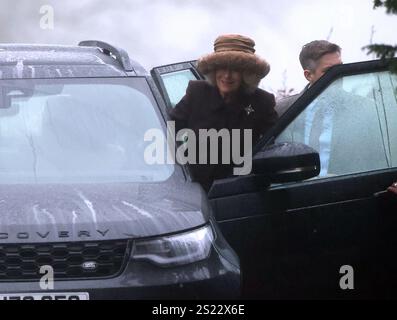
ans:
x=308 y=75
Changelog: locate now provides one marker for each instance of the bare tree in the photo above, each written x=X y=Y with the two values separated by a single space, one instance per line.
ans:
x=284 y=91
x=371 y=39
x=331 y=31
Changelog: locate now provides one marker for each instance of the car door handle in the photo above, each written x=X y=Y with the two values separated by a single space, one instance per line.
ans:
x=381 y=193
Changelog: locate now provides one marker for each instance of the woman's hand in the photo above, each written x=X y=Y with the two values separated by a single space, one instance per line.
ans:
x=393 y=188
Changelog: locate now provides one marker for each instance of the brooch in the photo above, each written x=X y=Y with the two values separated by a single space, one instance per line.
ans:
x=249 y=110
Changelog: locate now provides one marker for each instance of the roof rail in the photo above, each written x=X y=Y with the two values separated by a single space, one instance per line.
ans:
x=120 y=54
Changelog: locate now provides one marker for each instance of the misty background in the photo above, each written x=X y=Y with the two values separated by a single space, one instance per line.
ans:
x=158 y=32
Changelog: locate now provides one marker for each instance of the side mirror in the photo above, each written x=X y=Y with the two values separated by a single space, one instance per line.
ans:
x=287 y=162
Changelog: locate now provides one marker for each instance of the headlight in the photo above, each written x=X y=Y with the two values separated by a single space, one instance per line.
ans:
x=176 y=250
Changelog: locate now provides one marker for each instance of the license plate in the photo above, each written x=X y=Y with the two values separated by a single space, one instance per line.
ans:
x=46 y=296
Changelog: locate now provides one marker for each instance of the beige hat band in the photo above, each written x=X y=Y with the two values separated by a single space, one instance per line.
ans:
x=234 y=47
x=236 y=51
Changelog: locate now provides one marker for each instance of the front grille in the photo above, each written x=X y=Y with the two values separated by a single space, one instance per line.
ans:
x=23 y=261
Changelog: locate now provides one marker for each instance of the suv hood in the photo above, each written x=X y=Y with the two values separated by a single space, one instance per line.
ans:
x=63 y=213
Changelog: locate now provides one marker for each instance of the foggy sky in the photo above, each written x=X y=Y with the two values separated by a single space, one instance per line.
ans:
x=157 y=32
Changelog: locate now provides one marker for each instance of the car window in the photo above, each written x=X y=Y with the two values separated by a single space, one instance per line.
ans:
x=387 y=99
x=176 y=84
x=77 y=131
x=352 y=124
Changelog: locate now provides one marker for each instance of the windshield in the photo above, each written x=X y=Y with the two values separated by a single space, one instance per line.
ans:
x=77 y=131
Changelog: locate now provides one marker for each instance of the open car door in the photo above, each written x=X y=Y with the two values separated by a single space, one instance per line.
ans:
x=333 y=236
x=172 y=80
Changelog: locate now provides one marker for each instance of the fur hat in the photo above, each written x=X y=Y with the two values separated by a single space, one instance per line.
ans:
x=235 y=51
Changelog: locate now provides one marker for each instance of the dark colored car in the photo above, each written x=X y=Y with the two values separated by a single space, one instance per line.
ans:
x=78 y=196
x=79 y=203
x=332 y=236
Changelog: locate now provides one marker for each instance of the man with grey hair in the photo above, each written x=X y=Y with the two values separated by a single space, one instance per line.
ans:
x=316 y=58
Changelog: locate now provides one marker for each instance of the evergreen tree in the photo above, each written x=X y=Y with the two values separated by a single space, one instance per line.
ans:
x=384 y=51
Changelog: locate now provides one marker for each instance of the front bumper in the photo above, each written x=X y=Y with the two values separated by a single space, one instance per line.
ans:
x=217 y=277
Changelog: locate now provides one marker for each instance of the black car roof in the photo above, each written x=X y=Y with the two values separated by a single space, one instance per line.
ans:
x=89 y=59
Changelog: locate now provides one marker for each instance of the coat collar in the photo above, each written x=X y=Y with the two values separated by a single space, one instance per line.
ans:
x=242 y=102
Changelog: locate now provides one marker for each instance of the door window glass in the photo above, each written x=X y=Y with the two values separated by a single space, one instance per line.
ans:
x=386 y=99
x=176 y=84
x=352 y=124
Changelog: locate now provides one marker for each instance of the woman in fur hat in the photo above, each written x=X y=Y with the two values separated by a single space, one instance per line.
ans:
x=229 y=99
